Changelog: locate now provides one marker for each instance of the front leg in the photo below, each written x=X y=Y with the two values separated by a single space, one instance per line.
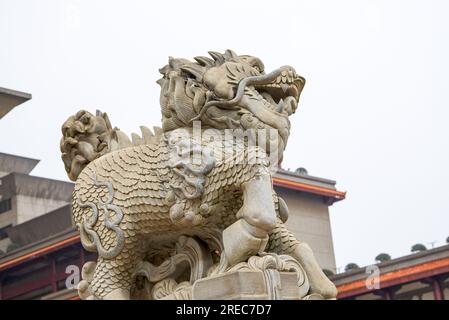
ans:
x=110 y=279
x=256 y=219
x=283 y=241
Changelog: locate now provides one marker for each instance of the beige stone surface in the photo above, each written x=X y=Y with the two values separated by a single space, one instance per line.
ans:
x=165 y=209
x=246 y=285
x=29 y=207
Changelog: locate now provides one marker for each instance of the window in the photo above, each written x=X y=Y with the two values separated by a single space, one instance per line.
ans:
x=3 y=233
x=5 y=205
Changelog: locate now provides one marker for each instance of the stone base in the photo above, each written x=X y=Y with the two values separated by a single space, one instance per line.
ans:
x=250 y=285
x=267 y=276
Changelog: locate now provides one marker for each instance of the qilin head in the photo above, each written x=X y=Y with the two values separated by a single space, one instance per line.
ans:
x=229 y=91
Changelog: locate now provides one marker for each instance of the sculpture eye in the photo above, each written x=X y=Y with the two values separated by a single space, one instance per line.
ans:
x=257 y=66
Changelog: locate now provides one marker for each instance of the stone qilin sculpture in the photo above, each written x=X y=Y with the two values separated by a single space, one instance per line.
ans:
x=188 y=211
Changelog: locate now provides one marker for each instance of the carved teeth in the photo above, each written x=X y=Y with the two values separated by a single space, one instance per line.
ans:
x=280 y=106
x=284 y=87
x=293 y=91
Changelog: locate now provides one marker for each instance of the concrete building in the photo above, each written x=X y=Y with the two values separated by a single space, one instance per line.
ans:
x=10 y=99
x=24 y=197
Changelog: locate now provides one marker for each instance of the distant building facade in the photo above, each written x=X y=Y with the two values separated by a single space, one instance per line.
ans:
x=24 y=197
x=418 y=276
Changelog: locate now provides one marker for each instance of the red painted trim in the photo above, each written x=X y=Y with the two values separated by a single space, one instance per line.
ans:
x=338 y=195
x=38 y=253
x=397 y=277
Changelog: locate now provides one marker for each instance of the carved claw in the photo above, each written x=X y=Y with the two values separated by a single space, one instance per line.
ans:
x=87 y=274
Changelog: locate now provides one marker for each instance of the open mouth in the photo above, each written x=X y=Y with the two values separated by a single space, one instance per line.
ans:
x=283 y=91
x=280 y=88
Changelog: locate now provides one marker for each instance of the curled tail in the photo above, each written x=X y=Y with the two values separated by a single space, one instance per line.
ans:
x=86 y=137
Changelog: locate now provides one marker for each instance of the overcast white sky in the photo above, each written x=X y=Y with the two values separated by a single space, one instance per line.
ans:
x=373 y=115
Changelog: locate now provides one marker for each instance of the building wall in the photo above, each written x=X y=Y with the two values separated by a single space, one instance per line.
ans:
x=8 y=217
x=29 y=207
x=309 y=221
x=24 y=208
x=4 y=244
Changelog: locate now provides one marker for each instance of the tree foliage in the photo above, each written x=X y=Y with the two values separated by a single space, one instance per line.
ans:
x=418 y=247
x=301 y=170
x=382 y=257
x=351 y=266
